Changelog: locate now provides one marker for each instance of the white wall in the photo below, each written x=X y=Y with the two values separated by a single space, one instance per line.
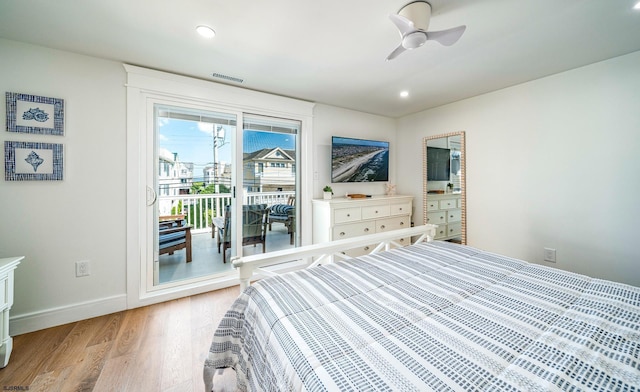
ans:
x=550 y=163
x=333 y=121
x=56 y=223
x=83 y=217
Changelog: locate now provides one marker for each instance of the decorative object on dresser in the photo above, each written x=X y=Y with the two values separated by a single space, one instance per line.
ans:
x=342 y=218
x=390 y=189
x=444 y=189
x=327 y=192
x=7 y=266
x=357 y=195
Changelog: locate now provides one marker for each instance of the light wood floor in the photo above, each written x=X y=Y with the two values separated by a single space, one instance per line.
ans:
x=155 y=348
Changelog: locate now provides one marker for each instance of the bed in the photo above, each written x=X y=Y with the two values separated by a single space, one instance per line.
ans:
x=431 y=316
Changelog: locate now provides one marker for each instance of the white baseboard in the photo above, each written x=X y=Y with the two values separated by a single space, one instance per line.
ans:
x=25 y=323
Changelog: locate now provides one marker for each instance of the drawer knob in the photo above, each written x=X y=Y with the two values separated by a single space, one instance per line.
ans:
x=376 y=211
x=450 y=216
x=400 y=208
x=441 y=217
x=366 y=229
x=366 y=248
x=401 y=223
x=348 y=215
x=401 y=239
x=342 y=233
x=382 y=227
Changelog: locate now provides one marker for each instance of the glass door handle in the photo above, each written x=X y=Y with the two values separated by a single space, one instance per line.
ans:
x=152 y=196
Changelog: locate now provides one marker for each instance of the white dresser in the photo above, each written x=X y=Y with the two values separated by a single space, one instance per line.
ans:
x=7 y=266
x=341 y=218
x=445 y=210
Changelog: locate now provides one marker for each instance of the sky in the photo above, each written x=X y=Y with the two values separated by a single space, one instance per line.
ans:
x=193 y=141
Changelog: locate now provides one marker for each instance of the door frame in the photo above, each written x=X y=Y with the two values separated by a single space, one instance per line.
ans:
x=144 y=85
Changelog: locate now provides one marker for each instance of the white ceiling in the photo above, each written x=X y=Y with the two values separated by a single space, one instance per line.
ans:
x=333 y=51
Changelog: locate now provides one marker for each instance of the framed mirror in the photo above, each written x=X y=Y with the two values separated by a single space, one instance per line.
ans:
x=444 y=187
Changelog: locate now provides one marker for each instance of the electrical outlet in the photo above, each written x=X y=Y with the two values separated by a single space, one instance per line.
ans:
x=83 y=268
x=550 y=255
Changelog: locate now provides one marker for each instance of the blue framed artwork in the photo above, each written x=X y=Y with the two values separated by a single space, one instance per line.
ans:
x=33 y=114
x=25 y=161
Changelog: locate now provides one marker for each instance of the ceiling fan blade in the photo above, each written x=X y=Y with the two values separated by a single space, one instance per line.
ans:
x=447 y=37
x=403 y=24
x=396 y=52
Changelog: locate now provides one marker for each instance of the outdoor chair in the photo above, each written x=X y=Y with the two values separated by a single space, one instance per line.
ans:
x=174 y=234
x=254 y=228
x=284 y=213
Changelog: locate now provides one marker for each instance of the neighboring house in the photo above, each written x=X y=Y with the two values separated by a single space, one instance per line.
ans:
x=174 y=178
x=270 y=170
x=219 y=173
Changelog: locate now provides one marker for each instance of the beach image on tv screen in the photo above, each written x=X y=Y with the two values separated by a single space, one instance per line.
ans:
x=355 y=160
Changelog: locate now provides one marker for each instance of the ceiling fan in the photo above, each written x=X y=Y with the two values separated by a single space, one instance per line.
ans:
x=413 y=21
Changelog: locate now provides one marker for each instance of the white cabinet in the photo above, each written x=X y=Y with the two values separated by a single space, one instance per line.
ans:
x=445 y=211
x=342 y=218
x=7 y=266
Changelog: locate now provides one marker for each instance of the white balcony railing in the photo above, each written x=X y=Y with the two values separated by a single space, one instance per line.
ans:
x=200 y=209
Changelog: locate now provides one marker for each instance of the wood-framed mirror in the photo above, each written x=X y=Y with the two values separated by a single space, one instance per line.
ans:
x=444 y=187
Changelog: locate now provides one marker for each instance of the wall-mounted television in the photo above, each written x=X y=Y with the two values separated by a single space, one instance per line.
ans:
x=359 y=160
x=438 y=164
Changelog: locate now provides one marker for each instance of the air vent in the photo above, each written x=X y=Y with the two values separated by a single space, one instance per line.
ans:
x=227 y=77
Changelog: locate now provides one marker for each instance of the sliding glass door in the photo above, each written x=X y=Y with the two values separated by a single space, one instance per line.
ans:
x=220 y=191
x=270 y=181
x=194 y=183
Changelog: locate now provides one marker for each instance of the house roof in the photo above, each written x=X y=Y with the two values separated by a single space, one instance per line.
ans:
x=269 y=154
x=334 y=51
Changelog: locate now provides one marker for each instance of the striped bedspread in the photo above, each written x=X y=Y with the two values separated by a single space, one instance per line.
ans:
x=433 y=316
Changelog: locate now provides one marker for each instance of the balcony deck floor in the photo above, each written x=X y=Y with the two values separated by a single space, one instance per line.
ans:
x=207 y=261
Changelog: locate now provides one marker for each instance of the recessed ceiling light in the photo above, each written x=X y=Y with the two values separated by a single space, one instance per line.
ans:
x=637 y=6
x=404 y=94
x=205 y=31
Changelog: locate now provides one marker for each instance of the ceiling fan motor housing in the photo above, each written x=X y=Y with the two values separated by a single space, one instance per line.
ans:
x=419 y=12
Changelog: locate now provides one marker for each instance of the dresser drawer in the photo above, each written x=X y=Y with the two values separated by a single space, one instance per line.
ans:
x=433 y=205
x=401 y=209
x=342 y=215
x=454 y=216
x=373 y=212
x=437 y=217
x=454 y=229
x=353 y=230
x=448 y=203
x=441 y=231
x=400 y=222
